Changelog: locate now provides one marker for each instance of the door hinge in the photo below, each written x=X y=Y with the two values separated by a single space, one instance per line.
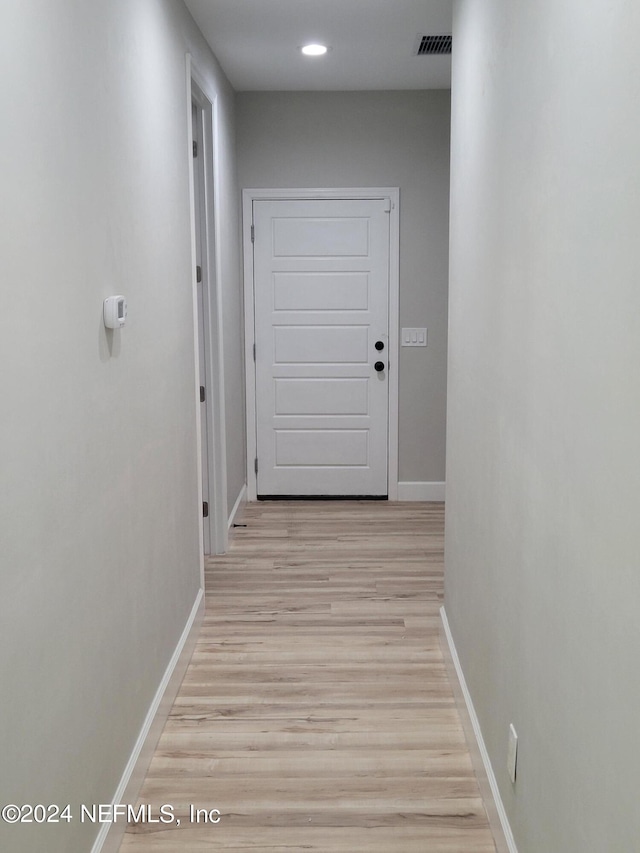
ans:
x=253 y=234
x=203 y=394
x=198 y=274
x=255 y=464
x=387 y=205
x=254 y=352
x=195 y=148
x=205 y=509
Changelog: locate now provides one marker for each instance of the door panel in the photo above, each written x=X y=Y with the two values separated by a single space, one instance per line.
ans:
x=300 y=237
x=321 y=396
x=318 y=344
x=331 y=447
x=321 y=291
x=321 y=288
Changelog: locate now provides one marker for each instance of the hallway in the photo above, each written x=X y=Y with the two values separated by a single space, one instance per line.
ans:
x=316 y=713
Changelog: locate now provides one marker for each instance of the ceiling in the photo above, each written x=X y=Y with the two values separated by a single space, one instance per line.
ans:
x=371 y=43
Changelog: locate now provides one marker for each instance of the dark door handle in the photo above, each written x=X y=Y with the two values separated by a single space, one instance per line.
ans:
x=379 y=366
x=379 y=345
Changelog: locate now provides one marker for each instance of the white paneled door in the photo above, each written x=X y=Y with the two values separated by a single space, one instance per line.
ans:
x=321 y=290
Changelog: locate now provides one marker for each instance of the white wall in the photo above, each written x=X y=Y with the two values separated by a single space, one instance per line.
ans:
x=349 y=139
x=98 y=492
x=543 y=468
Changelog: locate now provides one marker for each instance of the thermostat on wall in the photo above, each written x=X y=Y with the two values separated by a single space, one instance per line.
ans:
x=115 y=312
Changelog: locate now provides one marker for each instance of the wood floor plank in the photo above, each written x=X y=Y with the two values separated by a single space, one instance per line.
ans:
x=316 y=713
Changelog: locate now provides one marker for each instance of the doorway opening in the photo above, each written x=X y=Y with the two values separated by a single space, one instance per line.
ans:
x=207 y=314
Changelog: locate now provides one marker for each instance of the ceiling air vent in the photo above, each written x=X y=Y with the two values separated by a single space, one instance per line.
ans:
x=432 y=45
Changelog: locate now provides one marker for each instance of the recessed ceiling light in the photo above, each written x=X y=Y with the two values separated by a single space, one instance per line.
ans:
x=314 y=49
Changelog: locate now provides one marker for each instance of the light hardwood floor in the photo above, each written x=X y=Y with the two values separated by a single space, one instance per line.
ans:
x=316 y=713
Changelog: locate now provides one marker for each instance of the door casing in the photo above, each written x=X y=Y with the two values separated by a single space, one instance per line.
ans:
x=211 y=306
x=391 y=193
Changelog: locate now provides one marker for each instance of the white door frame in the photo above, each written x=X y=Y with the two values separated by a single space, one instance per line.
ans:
x=213 y=380
x=391 y=193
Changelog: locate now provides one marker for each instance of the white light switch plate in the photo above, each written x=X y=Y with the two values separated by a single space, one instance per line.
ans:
x=414 y=337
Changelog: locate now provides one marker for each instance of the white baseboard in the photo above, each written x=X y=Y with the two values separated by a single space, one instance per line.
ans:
x=241 y=499
x=110 y=836
x=410 y=491
x=493 y=804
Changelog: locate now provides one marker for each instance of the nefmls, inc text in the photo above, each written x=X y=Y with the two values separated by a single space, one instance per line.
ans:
x=144 y=813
